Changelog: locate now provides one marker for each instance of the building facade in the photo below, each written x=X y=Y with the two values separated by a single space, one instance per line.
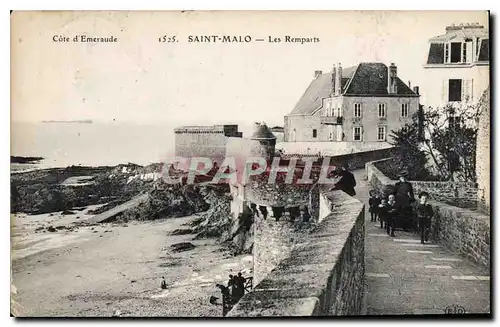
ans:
x=457 y=67
x=363 y=103
x=204 y=141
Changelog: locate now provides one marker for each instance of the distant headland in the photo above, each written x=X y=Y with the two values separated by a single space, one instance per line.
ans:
x=84 y=121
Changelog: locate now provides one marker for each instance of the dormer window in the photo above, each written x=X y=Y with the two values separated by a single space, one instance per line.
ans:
x=455 y=52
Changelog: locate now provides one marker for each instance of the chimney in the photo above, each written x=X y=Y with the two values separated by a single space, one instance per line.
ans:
x=409 y=84
x=416 y=90
x=317 y=73
x=391 y=79
x=334 y=79
x=338 y=80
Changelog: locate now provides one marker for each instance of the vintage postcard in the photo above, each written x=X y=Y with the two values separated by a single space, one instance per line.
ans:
x=250 y=164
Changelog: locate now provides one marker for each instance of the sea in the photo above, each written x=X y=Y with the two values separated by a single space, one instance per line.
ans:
x=94 y=144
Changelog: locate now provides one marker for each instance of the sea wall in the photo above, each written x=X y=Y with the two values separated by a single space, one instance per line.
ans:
x=463 y=231
x=323 y=272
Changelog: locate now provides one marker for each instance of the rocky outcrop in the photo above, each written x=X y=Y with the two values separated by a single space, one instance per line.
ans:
x=43 y=191
x=170 y=201
x=216 y=221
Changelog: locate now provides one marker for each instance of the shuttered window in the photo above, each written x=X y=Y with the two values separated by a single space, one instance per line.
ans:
x=455 y=90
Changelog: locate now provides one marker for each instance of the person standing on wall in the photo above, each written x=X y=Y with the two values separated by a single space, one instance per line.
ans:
x=347 y=181
x=403 y=190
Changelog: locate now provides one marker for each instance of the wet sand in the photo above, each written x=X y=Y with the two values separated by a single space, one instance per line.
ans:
x=116 y=269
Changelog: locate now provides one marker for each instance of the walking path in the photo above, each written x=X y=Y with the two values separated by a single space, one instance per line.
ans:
x=406 y=277
x=134 y=202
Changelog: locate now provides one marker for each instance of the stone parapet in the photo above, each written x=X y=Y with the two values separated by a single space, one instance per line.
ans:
x=323 y=274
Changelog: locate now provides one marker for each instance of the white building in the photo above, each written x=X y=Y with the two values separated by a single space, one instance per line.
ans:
x=457 y=67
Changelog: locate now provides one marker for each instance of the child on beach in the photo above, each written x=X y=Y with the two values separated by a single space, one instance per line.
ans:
x=373 y=204
x=424 y=213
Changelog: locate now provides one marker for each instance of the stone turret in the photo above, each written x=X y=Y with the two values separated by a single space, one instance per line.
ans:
x=266 y=139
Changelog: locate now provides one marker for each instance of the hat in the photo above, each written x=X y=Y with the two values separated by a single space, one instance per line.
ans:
x=404 y=173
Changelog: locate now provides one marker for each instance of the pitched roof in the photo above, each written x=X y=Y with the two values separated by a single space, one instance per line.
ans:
x=371 y=79
x=461 y=34
x=319 y=88
x=365 y=79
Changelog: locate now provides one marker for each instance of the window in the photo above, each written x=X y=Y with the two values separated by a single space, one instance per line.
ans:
x=330 y=132
x=464 y=52
x=381 y=133
x=404 y=110
x=315 y=133
x=339 y=112
x=381 y=110
x=357 y=110
x=456 y=52
x=446 y=52
x=455 y=90
x=357 y=133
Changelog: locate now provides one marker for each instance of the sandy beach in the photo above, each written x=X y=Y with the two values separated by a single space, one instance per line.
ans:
x=114 y=269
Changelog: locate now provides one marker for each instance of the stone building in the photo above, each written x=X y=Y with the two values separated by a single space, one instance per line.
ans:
x=457 y=67
x=204 y=141
x=483 y=173
x=362 y=103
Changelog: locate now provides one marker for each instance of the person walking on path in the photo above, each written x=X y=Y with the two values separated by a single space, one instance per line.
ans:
x=403 y=190
x=382 y=213
x=391 y=215
x=373 y=204
x=425 y=214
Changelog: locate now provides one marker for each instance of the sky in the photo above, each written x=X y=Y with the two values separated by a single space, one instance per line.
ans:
x=139 y=79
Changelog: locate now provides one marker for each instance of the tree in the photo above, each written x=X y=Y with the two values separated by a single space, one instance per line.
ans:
x=444 y=138
x=408 y=155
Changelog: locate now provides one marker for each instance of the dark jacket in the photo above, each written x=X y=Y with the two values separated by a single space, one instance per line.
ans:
x=392 y=212
x=404 y=193
x=425 y=212
x=374 y=203
x=346 y=183
x=383 y=212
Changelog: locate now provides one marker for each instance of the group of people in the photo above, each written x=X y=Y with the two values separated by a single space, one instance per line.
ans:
x=237 y=286
x=233 y=292
x=400 y=210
